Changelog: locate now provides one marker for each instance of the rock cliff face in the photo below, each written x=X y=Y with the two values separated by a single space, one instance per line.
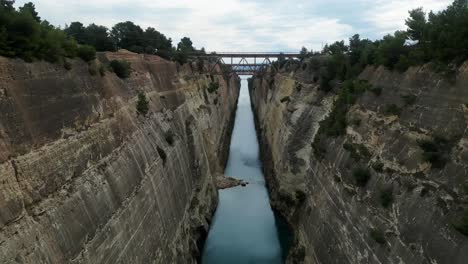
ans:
x=408 y=132
x=84 y=179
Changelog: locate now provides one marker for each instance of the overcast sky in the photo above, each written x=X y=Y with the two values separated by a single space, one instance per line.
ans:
x=244 y=25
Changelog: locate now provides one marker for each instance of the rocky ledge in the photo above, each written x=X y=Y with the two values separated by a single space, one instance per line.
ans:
x=225 y=182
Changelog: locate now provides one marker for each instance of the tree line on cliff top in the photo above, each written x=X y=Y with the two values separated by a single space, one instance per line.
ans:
x=435 y=37
x=440 y=38
x=25 y=35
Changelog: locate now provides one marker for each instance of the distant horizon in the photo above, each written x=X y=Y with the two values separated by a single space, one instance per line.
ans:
x=244 y=25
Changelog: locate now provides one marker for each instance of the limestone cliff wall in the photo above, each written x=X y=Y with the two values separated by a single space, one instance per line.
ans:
x=84 y=179
x=336 y=221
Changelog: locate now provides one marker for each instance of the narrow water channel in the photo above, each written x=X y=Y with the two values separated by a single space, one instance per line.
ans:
x=244 y=227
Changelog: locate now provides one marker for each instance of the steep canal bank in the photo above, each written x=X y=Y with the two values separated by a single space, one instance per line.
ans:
x=244 y=228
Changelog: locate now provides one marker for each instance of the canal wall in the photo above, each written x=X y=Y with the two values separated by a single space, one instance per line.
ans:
x=370 y=194
x=85 y=179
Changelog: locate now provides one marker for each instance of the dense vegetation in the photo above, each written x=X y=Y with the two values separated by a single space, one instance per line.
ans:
x=25 y=35
x=440 y=38
x=437 y=38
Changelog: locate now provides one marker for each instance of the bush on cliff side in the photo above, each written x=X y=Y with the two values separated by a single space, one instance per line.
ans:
x=142 y=104
x=213 y=87
x=361 y=176
x=436 y=151
x=86 y=53
x=357 y=151
x=121 y=68
x=378 y=235
x=392 y=110
x=462 y=224
x=386 y=196
x=335 y=124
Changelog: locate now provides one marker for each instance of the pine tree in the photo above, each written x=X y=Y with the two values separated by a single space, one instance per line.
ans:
x=142 y=105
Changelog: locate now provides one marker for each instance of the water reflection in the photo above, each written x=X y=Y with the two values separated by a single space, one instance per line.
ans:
x=244 y=227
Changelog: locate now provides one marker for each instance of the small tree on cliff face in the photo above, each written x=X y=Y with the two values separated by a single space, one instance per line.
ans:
x=142 y=105
x=121 y=68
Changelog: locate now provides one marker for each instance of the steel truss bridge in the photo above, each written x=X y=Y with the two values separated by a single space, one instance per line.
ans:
x=243 y=63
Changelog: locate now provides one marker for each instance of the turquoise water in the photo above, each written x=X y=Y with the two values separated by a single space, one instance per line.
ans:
x=244 y=227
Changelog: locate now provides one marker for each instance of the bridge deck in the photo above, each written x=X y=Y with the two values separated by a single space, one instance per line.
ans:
x=243 y=66
x=248 y=54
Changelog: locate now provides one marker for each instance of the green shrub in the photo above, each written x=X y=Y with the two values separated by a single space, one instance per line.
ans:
x=213 y=87
x=357 y=122
x=376 y=90
x=102 y=70
x=386 y=196
x=358 y=151
x=392 y=109
x=300 y=195
x=402 y=64
x=335 y=124
x=298 y=254
x=121 y=68
x=162 y=154
x=169 y=138
x=92 y=70
x=462 y=225
x=319 y=150
x=361 y=176
x=86 y=53
x=285 y=99
x=435 y=158
x=360 y=86
x=67 y=65
x=378 y=235
x=378 y=166
x=436 y=151
x=409 y=99
x=142 y=104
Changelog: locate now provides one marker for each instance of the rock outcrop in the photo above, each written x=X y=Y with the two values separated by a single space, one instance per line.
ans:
x=85 y=179
x=226 y=182
x=390 y=188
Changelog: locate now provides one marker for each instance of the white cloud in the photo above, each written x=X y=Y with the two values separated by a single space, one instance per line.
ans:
x=235 y=25
x=389 y=15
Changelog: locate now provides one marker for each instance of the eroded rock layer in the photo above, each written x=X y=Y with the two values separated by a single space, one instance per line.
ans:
x=410 y=209
x=85 y=179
